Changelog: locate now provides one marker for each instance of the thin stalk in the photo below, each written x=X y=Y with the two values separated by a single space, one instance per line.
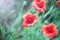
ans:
x=49 y=11
x=52 y=14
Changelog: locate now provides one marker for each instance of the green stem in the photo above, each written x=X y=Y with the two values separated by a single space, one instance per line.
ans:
x=52 y=14
x=49 y=11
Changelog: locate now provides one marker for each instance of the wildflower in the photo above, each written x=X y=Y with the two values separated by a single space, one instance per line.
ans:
x=39 y=5
x=29 y=19
x=49 y=30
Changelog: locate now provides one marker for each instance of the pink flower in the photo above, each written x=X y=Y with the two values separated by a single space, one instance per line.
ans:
x=29 y=19
x=39 y=5
x=50 y=30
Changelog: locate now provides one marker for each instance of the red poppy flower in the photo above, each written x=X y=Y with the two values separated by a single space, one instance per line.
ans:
x=58 y=3
x=29 y=19
x=39 y=5
x=49 y=30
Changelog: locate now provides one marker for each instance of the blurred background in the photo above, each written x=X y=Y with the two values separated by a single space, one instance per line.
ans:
x=9 y=10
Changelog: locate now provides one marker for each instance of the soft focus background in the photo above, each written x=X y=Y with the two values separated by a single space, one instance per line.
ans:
x=11 y=13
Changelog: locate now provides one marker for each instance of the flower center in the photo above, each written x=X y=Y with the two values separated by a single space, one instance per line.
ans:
x=49 y=30
x=40 y=6
x=30 y=20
